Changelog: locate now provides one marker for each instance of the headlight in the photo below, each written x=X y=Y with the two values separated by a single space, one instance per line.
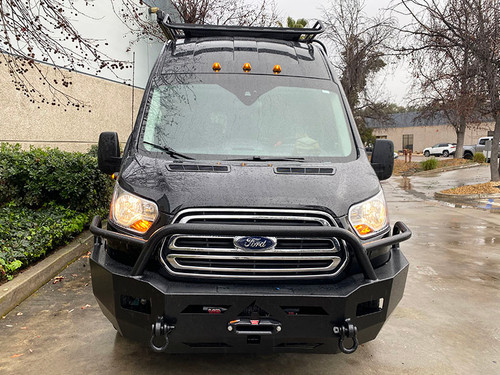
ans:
x=132 y=212
x=369 y=217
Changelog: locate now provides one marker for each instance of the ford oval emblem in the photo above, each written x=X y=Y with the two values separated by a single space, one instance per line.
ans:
x=255 y=243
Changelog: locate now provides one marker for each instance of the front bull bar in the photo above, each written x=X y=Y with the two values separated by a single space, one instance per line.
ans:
x=400 y=233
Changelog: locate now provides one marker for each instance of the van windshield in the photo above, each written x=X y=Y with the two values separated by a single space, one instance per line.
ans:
x=241 y=117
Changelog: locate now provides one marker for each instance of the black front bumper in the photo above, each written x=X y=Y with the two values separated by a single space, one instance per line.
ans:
x=199 y=315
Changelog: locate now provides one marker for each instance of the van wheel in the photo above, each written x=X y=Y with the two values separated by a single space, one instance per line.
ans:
x=427 y=154
x=446 y=153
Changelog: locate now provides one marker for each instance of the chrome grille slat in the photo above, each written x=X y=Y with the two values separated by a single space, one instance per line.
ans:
x=173 y=260
x=280 y=213
x=260 y=218
x=173 y=245
x=218 y=257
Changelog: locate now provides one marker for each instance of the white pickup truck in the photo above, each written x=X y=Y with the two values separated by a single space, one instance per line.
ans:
x=469 y=151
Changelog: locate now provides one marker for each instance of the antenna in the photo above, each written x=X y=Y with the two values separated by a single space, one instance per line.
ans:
x=133 y=86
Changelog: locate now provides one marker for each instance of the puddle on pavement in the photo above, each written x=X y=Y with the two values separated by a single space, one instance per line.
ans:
x=405 y=183
x=407 y=186
x=468 y=242
x=467 y=226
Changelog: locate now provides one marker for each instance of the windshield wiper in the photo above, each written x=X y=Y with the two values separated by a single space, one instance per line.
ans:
x=169 y=151
x=260 y=158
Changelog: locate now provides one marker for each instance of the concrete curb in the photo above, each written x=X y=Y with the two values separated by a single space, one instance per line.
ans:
x=465 y=196
x=26 y=283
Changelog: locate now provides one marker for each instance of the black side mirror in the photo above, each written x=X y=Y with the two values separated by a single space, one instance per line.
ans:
x=108 y=153
x=383 y=158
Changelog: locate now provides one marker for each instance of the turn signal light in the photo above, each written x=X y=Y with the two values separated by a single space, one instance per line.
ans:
x=277 y=69
x=247 y=67
x=216 y=67
x=363 y=229
x=141 y=225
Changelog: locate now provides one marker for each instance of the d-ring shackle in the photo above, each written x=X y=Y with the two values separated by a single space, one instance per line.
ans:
x=160 y=329
x=348 y=330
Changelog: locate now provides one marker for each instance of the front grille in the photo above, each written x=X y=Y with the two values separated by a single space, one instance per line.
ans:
x=218 y=257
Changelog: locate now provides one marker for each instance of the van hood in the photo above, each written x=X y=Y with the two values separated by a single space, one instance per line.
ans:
x=249 y=184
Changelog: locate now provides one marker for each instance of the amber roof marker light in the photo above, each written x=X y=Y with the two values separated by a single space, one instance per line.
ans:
x=277 y=69
x=216 y=67
x=247 y=68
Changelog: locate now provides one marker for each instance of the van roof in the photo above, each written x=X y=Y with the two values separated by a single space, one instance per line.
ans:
x=198 y=56
x=195 y=48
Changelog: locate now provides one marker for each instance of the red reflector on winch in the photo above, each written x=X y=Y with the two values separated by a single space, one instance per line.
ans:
x=214 y=309
x=254 y=322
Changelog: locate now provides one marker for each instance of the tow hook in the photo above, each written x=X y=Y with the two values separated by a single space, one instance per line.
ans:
x=348 y=330
x=160 y=329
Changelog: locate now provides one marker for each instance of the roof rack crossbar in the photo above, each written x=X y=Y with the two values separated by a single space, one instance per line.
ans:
x=174 y=31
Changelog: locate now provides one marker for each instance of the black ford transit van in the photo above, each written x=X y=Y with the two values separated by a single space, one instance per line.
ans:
x=246 y=215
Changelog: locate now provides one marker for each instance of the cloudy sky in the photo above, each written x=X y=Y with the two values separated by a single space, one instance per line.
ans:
x=312 y=8
x=393 y=81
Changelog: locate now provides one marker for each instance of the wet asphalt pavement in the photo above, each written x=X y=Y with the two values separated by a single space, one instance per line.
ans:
x=447 y=322
x=424 y=185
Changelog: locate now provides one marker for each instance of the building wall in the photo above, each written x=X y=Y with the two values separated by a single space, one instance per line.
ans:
x=101 y=21
x=426 y=136
x=108 y=108
x=107 y=94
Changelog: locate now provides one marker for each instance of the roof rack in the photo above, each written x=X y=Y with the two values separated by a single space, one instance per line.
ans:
x=174 y=31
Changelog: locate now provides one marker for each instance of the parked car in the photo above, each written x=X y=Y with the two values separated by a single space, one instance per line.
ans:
x=245 y=216
x=470 y=150
x=441 y=149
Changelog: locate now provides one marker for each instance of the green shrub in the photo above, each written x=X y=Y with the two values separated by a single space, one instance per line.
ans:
x=27 y=235
x=429 y=164
x=71 y=179
x=46 y=198
x=93 y=151
x=479 y=157
x=7 y=269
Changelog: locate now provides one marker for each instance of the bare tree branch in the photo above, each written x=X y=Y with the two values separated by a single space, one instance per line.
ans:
x=43 y=31
x=362 y=46
x=455 y=53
